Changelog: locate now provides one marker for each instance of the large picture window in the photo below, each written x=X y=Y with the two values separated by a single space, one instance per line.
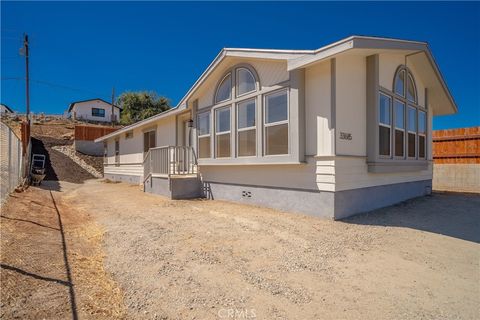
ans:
x=245 y=120
x=409 y=119
x=203 y=120
x=246 y=128
x=222 y=132
x=276 y=123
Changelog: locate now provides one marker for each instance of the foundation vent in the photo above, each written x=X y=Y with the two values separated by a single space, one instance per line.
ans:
x=246 y=194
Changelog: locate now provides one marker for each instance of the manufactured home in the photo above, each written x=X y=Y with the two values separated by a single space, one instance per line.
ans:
x=331 y=132
x=95 y=110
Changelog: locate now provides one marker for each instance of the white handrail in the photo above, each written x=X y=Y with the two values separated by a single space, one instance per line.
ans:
x=170 y=160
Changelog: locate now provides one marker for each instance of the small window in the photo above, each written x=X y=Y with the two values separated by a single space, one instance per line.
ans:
x=400 y=83
x=148 y=140
x=399 y=128
x=384 y=125
x=129 y=134
x=276 y=123
x=247 y=137
x=222 y=132
x=245 y=81
x=411 y=92
x=224 y=90
x=204 y=135
x=97 y=112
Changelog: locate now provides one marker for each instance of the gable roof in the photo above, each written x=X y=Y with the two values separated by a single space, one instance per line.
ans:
x=74 y=103
x=6 y=107
x=303 y=58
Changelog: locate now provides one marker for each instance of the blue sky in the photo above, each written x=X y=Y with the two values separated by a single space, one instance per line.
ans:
x=79 y=50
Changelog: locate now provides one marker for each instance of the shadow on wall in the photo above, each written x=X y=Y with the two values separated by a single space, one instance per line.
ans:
x=451 y=214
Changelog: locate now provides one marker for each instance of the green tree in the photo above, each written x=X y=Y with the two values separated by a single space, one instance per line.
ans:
x=137 y=106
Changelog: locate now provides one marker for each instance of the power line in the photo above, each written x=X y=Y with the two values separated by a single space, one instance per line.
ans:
x=51 y=84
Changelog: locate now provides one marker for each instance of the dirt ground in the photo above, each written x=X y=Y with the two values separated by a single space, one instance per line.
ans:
x=52 y=261
x=162 y=259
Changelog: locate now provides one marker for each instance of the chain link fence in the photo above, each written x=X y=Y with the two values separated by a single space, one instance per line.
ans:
x=12 y=162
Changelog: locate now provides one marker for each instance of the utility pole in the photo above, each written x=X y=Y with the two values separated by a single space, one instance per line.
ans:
x=27 y=78
x=113 y=106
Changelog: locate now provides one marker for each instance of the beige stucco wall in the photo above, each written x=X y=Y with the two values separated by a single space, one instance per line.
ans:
x=83 y=110
x=318 y=123
x=351 y=98
x=131 y=150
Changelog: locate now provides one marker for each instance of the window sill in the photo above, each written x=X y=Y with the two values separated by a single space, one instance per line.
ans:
x=392 y=166
x=277 y=160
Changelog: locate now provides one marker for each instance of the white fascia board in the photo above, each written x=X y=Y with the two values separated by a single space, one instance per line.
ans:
x=142 y=123
x=355 y=42
x=361 y=42
x=320 y=54
x=439 y=75
x=242 y=53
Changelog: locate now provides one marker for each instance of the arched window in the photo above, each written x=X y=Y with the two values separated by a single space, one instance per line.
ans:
x=404 y=85
x=402 y=120
x=400 y=83
x=411 y=89
x=245 y=81
x=224 y=90
x=233 y=126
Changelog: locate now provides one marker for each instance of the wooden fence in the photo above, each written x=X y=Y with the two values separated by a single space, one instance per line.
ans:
x=456 y=146
x=90 y=133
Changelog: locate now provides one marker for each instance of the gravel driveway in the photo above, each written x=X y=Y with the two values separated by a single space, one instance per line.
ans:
x=218 y=260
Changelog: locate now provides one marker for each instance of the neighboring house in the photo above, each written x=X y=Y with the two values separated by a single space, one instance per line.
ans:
x=97 y=110
x=329 y=132
x=4 y=109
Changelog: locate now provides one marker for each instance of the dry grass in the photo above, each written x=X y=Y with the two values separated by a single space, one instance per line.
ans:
x=100 y=297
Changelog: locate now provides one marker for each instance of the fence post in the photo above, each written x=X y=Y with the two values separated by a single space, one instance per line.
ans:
x=9 y=160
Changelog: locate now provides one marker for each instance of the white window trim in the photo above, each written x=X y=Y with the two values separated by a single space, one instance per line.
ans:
x=266 y=125
x=246 y=128
x=424 y=134
x=415 y=110
x=229 y=132
x=394 y=126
